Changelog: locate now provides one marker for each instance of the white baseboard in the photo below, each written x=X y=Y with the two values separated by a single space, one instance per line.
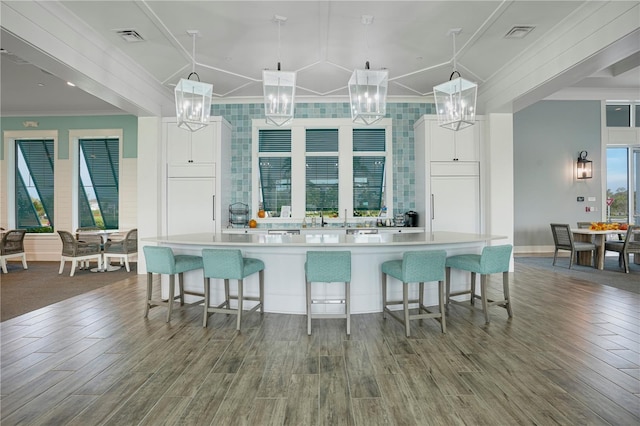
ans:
x=536 y=250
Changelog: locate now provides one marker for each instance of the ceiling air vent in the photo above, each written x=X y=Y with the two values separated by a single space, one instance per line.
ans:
x=519 y=31
x=130 y=36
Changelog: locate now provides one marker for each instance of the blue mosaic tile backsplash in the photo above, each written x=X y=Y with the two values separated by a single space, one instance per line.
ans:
x=404 y=115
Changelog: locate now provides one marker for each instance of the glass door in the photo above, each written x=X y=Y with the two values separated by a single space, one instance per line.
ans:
x=618 y=184
x=634 y=198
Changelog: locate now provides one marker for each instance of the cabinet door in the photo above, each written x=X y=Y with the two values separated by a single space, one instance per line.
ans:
x=467 y=143
x=190 y=205
x=178 y=145
x=442 y=143
x=185 y=146
x=447 y=145
x=455 y=203
x=203 y=145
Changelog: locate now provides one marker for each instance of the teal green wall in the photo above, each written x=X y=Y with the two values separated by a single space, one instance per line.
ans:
x=403 y=116
x=128 y=124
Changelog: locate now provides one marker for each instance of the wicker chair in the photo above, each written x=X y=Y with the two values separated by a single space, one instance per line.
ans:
x=76 y=251
x=12 y=245
x=626 y=247
x=122 y=249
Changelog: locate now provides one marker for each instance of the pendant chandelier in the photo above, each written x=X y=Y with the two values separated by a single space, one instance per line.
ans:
x=456 y=98
x=368 y=91
x=193 y=98
x=279 y=89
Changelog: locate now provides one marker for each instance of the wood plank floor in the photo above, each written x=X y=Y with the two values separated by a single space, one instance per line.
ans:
x=569 y=356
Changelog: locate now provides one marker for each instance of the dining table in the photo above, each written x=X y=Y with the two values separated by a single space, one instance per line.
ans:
x=104 y=234
x=597 y=237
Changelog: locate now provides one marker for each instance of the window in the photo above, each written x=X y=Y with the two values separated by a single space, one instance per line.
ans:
x=274 y=162
x=368 y=171
x=617 y=185
x=321 y=172
x=98 y=182
x=328 y=166
x=34 y=185
x=618 y=115
x=621 y=114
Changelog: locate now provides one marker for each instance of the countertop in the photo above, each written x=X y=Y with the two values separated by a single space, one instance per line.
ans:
x=324 y=239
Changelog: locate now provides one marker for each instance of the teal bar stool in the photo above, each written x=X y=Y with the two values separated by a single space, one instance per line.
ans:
x=415 y=267
x=161 y=260
x=228 y=264
x=328 y=267
x=493 y=260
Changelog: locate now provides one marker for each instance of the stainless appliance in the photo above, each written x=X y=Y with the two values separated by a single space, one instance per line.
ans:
x=411 y=219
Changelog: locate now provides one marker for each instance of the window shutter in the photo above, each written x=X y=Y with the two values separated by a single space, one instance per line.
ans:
x=102 y=161
x=322 y=140
x=372 y=140
x=39 y=159
x=274 y=141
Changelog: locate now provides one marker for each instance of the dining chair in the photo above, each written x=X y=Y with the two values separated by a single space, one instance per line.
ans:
x=626 y=247
x=563 y=240
x=12 y=245
x=84 y=234
x=123 y=249
x=77 y=251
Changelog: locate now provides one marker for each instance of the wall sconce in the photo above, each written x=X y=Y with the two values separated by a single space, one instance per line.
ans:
x=583 y=166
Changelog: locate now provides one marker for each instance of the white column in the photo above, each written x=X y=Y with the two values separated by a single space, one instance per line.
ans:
x=150 y=182
x=499 y=197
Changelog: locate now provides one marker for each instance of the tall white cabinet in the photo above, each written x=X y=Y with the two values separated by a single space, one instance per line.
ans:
x=198 y=177
x=448 y=178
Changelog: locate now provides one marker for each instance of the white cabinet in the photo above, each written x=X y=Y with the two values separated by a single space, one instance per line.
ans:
x=455 y=203
x=191 y=206
x=198 y=177
x=448 y=176
x=447 y=145
x=186 y=147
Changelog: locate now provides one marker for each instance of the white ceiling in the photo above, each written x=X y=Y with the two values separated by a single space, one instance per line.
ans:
x=324 y=41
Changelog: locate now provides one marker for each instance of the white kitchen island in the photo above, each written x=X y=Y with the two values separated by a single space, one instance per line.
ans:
x=284 y=257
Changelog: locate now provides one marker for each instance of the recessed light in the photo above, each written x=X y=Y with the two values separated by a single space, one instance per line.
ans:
x=70 y=84
x=40 y=84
